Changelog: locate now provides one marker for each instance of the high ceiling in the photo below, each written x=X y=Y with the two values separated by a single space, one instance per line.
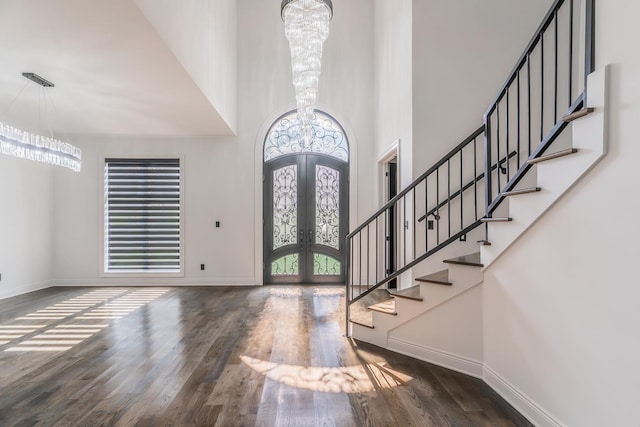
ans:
x=112 y=72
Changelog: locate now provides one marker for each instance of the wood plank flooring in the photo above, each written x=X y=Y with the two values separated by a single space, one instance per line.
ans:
x=263 y=356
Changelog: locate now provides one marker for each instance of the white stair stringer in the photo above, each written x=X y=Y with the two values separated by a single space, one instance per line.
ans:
x=462 y=277
x=557 y=176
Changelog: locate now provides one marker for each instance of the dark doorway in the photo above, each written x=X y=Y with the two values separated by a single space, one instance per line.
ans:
x=391 y=175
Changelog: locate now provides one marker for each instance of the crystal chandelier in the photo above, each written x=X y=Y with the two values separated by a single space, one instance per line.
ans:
x=25 y=145
x=306 y=24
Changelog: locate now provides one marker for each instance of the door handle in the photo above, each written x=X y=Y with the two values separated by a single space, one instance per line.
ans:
x=310 y=236
x=301 y=235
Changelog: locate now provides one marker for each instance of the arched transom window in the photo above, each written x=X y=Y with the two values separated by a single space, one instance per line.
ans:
x=284 y=138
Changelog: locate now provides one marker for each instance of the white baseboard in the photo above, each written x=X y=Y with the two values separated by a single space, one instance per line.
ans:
x=437 y=357
x=132 y=281
x=20 y=290
x=527 y=407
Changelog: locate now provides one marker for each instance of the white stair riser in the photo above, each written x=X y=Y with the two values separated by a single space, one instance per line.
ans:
x=372 y=336
x=463 y=274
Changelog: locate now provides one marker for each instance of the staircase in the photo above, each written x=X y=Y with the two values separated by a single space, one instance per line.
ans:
x=498 y=181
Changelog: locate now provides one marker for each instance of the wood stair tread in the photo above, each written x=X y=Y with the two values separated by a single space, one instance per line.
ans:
x=441 y=278
x=484 y=242
x=386 y=307
x=555 y=155
x=362 y=319
x=410 y=293
x=521 y=191
x=471 y=259
x=580 y=113
x=496 y=219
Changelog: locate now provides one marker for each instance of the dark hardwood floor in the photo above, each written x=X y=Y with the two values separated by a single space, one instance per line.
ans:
x=266 y=356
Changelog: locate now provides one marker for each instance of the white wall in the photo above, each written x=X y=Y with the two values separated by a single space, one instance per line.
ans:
x=25 y=226
x=449 y=334
x=392 y=91
x=223 y=176
x=560 y=315
x=202 y=35
x=463 y=52
x=209 y=195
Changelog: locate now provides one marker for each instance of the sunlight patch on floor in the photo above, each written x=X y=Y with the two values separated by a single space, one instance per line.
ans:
x=350 y=379
x=285 y=292
x=328 y=292
x=107 y=305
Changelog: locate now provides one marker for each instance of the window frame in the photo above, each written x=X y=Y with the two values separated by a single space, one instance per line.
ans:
x=101 y=212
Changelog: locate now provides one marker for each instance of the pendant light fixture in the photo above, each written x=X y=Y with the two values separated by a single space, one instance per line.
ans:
x=306 y=24
x=25 y=145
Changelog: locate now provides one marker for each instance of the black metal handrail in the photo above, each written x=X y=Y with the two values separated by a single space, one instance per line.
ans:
x=458 y=202
x=540 y=86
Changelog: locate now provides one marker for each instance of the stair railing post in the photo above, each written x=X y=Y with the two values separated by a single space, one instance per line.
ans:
x=487 y=163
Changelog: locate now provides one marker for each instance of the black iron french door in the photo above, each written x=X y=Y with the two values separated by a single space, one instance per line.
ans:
x=305 y=219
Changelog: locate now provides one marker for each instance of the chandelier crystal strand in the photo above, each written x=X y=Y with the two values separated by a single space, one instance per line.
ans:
x=306 y=27
x=25 y=145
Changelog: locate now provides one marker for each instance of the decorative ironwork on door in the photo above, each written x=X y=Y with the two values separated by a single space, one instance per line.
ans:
x=305 y=202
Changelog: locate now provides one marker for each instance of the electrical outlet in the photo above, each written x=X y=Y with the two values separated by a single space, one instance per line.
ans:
x=201 y=266
x=429 y=224
x=217 y=224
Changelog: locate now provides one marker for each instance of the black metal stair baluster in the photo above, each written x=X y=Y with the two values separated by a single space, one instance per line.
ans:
x=529 y=104
x=386 y=244
x=413 y=224
x=461 y=195
x=541 y=88
x=555 y=69
x=377 y=240
x=570 y=99
x=487 y=163
x=368 y=251
x=507 y=136
x=498 y=145
x=518 y=119
x=426 y=214
x=590 y=45
x=475 y=178
x=438 y=206
x=404 y=230
x=449 y=197
x=360 y=259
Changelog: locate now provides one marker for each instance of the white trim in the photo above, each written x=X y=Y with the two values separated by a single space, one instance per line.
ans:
x=437 y=357
x=527 y=407
x=167 y=281
x=390 y=153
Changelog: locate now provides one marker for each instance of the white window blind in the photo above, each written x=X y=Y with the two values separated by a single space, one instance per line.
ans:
x=142 y=215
